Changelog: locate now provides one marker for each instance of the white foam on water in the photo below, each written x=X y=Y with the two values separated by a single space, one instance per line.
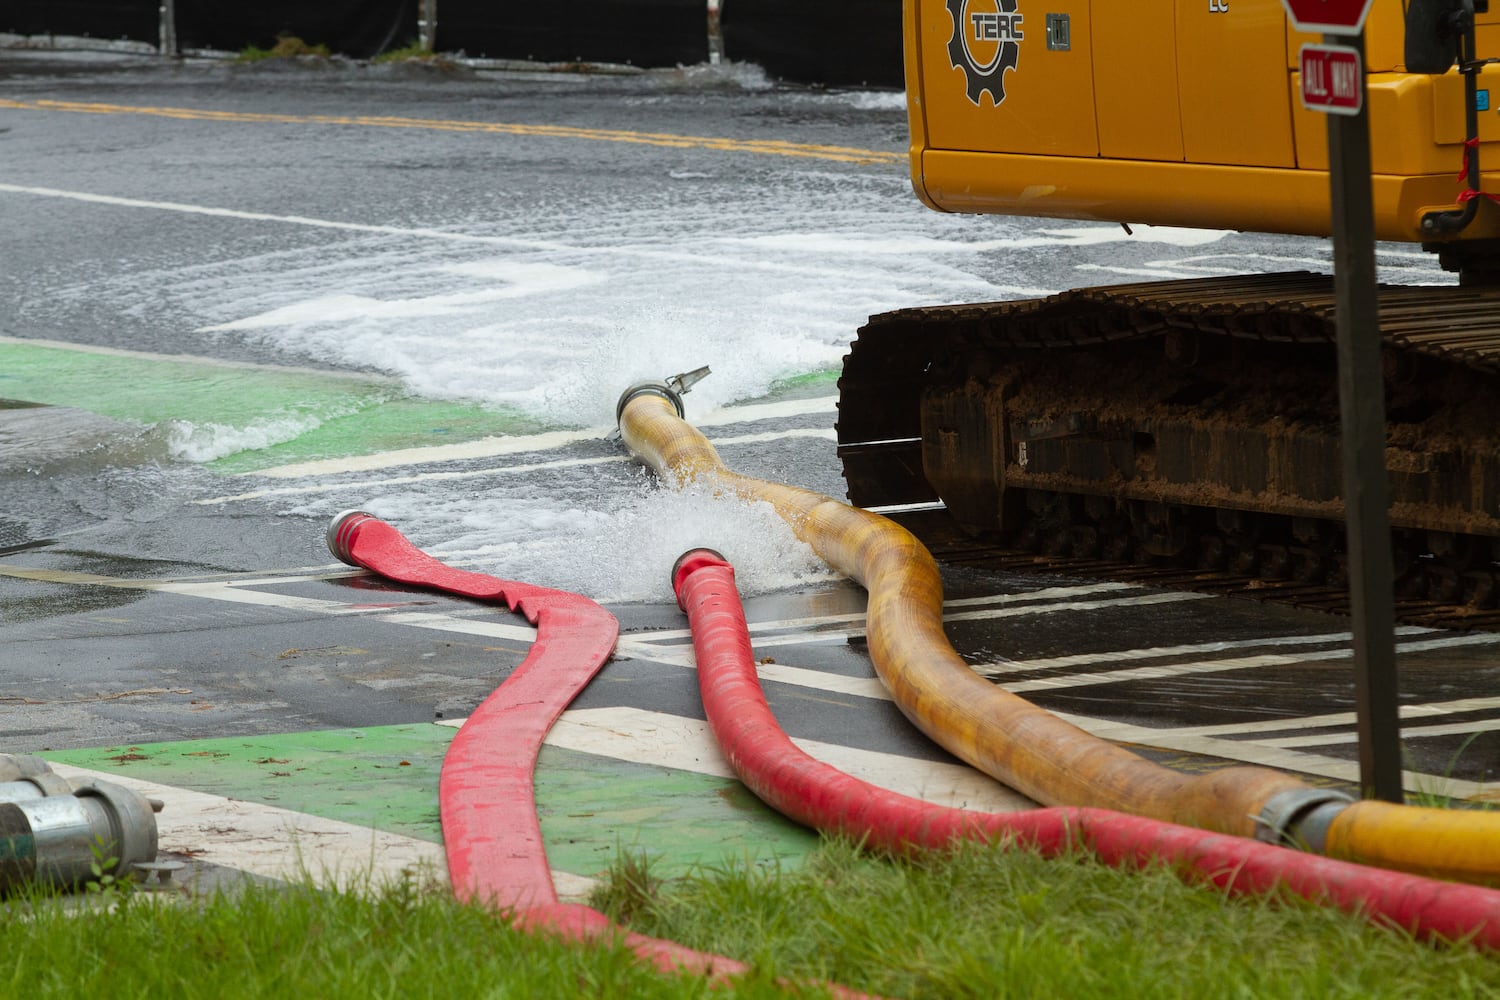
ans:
x=620 y=546
x=860 y=243
x=187 y=441
x=873 y=100
x=761 y=268
x=613 y=291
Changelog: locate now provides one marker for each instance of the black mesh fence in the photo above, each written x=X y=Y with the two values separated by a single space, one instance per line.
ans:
x=135 y=20
x=650 y=33
x=835 y=43
x=358 y=28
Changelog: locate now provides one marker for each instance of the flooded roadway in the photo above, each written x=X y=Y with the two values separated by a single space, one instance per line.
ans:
x=236 y=300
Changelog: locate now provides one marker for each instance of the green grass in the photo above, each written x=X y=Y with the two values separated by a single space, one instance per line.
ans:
x=414 y=51
x=286 y=47
x=979 y=922
x=987 y=922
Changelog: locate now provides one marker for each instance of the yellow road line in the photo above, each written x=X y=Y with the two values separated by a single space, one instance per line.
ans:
x=766 y=147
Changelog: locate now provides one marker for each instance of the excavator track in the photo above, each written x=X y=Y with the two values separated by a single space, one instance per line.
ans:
x=1184 y=433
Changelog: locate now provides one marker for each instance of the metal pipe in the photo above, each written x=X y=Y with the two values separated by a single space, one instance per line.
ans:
x=34 y=786
x=61 y=839
x=1451 y=221
x=427 y=24
x=167 y=29
x=14 y=766
x=997 y=732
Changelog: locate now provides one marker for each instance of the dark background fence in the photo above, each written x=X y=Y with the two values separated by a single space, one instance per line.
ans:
x=358 y=28
x=137 y=20
x=832 y=42
x=835 y=42
x=635 y=32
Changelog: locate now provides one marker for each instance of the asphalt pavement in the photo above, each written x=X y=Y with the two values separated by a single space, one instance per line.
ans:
x=172 y=618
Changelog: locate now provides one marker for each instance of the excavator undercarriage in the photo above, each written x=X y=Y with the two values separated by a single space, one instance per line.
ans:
x=1184 y=424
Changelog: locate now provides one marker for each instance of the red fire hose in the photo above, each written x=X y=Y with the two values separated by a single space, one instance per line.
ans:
x=487 y=800
x=822 y=797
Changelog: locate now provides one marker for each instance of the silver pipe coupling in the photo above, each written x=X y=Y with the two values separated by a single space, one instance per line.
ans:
x=60 y=838
x=1300 y=818
x=671 y=389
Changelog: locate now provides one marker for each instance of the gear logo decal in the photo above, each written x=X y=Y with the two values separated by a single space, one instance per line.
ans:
x=985 y=43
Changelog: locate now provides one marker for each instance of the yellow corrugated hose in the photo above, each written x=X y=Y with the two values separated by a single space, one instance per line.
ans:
x=1007 y=737
x=1443 y=843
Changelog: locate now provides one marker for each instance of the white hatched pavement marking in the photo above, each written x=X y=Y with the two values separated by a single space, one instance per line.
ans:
x=1005 y=667
x=204 y=361
x=1163 y=671
x=1419 y=711
x=486 y=447
x=365 y=485
x=1188 y=740
x=641 y=736
x=1253 y=752
x=1407 y=733
x=1008 y=606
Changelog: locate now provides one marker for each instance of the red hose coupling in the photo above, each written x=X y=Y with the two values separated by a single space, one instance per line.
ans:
x=342 y=531
x=689 y=563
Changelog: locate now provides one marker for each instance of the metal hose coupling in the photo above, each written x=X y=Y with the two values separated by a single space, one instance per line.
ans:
x=67 y=839
x=15 y=766
x=34 y=786
x=1300 y=818
x=341 y=533
x=671 y=389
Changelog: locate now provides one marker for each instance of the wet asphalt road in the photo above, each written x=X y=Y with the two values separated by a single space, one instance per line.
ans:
x=132 y=612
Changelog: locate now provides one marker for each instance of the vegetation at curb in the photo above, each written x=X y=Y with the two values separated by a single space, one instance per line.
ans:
x=415 y=52
x=286 y=47
x=977 y=922
x=986 y=921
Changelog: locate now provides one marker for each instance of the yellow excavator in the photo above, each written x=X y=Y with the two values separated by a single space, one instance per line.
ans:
x=1191 y=422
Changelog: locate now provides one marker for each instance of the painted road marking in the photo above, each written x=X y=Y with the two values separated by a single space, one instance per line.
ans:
x=825 y=626
x=1407 y=733
x=271 y=842
x=366 y=485
x=641 y=736
x=1251 y=751
x=424 y=477
x=386 y=611
x=1162 y=671
x=504 y=470
x=241 y=415
x=629 y=251
x=1419 y=711
x=1007 y=667
x=487 y=447
x=843 y=627
x=492 y=447
x=200 y=359
x=767 y=147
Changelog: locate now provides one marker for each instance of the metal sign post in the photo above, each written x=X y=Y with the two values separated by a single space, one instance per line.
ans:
x=1362 y=404
x=1333 y=80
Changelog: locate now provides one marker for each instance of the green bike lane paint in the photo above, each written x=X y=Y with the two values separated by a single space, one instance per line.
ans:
x=592 y=807
x=241 y=417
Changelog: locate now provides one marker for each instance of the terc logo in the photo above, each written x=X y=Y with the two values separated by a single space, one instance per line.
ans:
x=985 y=43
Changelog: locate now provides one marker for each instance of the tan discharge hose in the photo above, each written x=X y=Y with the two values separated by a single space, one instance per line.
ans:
x=1014 y=741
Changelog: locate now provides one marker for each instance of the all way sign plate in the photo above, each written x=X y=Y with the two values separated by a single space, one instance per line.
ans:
x=1332 y=79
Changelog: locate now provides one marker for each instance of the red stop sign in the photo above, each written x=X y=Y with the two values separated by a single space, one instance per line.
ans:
x=1329 y=17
